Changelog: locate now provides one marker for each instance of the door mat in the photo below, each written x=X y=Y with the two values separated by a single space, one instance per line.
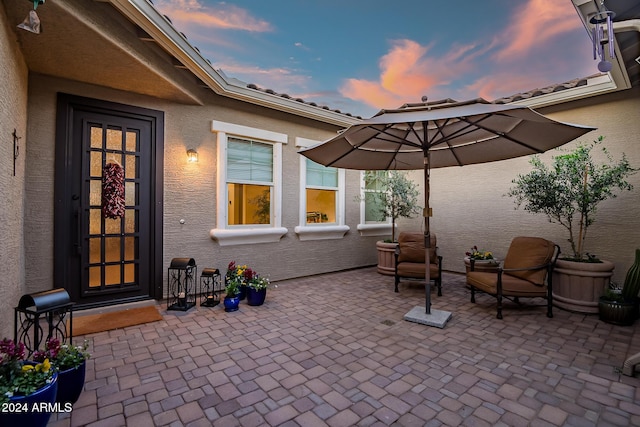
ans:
x=92 y=323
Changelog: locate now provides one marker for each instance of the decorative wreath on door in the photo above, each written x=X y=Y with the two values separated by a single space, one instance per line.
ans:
x=113 y=191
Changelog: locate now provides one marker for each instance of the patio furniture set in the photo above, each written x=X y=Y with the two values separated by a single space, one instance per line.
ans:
x=525 y=273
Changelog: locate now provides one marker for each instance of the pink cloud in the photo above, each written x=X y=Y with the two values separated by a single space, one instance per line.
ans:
x=224 y=16
x=510 y=62
x=536 y=24
x=407 y=73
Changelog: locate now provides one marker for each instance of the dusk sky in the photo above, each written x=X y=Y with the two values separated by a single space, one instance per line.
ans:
x=360 y=56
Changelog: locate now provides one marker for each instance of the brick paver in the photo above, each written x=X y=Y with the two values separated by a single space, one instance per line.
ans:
x=334 y=350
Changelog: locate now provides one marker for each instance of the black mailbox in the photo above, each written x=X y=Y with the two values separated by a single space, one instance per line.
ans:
x=34 y=312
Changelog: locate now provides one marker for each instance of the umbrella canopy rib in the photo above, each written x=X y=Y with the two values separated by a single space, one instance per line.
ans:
x=452 y=148
x=503 y=134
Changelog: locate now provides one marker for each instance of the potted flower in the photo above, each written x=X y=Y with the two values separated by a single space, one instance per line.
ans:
x=71 y=362
x=23 y=384
x=568 y=193
x=236 y=273
x=393 y=196
x=483 y=260
x=257 y=289
x=620 y=306
x=234 y=280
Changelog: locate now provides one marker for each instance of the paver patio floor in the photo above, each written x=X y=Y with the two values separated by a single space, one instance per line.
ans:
x=334 y=350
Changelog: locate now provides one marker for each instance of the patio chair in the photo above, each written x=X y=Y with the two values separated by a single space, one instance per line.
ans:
x=409 y=259
x=526 y=273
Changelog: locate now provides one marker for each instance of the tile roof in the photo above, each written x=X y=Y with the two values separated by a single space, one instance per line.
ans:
x=545 y=90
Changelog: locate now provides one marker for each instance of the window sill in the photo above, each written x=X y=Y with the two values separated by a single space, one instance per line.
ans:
x=374 y=229
x=247 y=236
x=321 y=232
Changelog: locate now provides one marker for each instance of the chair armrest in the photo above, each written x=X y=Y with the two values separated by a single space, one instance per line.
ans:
x=537 y=267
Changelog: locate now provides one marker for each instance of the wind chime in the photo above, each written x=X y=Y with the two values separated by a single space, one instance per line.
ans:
x=598 y=19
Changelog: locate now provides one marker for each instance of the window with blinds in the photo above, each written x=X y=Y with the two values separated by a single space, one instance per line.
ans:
x=249 y=181
x=322 y=193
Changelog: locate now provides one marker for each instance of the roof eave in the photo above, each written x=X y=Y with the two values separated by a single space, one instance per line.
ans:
x=145 y=15
x=595 y=86
x=618 y=71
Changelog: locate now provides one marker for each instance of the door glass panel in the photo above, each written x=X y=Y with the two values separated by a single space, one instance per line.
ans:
x=132 y=141
x=95 y=221
x=114 y=139
x=112 y=275
x=112 y=249
x=129 y=221
x=112 y=226
x=129 y=193
x=130 y=167
x=94 y=277
x=129 y=248
x=94 y=250
x=96 y=137
x=96 y=164
x=95 y=195
x=129 y=273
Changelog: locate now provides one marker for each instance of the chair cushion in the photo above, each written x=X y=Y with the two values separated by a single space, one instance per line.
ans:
x=511 y=286
x=412 y=248
x=416 y=270
x=528 y=252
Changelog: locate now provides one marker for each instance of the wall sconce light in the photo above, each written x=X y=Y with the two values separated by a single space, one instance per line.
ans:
x=192 y=155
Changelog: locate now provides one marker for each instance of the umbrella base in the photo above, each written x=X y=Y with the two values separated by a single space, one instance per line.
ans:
x=437 y=318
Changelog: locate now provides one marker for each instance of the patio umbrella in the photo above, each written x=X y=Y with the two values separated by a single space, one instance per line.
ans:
x=441 y=134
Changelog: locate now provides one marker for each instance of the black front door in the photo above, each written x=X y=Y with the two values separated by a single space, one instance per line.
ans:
x=100 y=259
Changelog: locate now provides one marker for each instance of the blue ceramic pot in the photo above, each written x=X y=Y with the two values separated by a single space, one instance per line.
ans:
x=22 y=411
x=71 y=383
x=243 y=292
x=231 y=303
x=256 y=297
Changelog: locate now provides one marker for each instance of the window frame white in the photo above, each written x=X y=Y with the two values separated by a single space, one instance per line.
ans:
x=224 y=233
x=379 y=228
x=320 y=231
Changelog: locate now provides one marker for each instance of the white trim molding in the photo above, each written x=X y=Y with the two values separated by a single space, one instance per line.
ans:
x=320 y=231
x=227 y=235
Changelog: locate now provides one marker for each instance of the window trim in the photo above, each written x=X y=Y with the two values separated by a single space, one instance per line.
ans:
x=321 y=231
x=227 y=235
x=381 y=228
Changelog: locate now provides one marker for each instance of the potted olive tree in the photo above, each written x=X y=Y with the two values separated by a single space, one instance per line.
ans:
x=396 y=197
x=569 y=192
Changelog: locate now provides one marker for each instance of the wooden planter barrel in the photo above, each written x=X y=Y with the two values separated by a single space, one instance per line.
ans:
x=578 y=286
x=386 y=260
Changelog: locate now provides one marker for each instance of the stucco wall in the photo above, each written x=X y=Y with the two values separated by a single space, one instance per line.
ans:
x=470 y=208
x=190 y=188
x=13 y=115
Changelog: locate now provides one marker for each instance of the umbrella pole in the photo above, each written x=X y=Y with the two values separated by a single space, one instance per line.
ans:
x=427 y=236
